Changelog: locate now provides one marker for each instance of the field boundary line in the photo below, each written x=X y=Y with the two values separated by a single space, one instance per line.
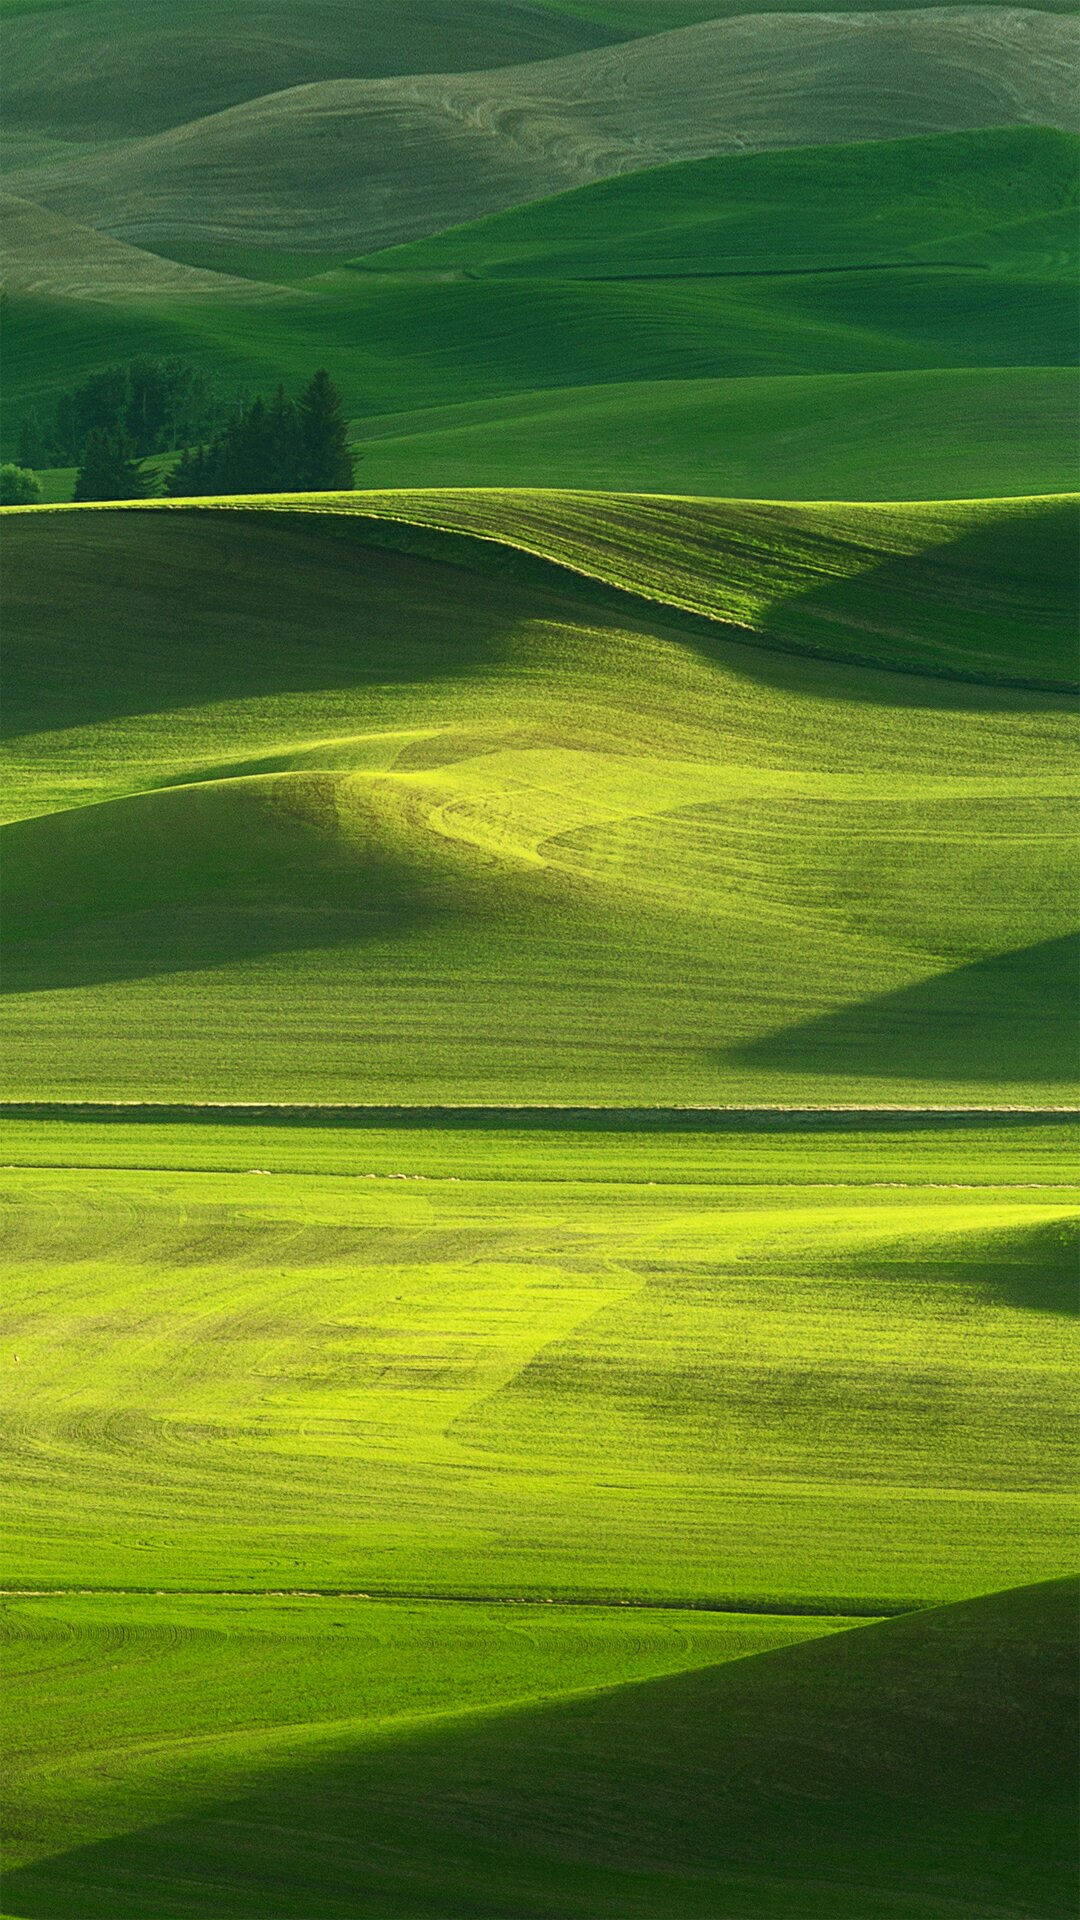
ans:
x=524 y=1110
x=810 y=1609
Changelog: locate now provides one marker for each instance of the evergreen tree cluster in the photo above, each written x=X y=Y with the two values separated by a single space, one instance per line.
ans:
x=288 y=446
x=156 y=404
x=109 y=469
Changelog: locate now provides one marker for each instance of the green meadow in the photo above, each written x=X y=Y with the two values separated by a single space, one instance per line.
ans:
x=539 y=1071
x=499 y=1490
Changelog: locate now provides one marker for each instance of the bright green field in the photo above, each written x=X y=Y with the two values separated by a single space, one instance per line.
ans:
x=818 y=1371
x=539 y=1161
x=294 y=1681
x=817 y=1366
x=518 y=843
x=609 y=1782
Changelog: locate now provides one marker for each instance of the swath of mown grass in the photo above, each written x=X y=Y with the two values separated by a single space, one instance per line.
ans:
x=600 y=1382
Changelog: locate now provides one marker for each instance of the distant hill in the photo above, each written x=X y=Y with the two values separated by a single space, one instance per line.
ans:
x=892 y=320
x=45 y=253
x=95 y=70
x=353 y=164
x=994 y=199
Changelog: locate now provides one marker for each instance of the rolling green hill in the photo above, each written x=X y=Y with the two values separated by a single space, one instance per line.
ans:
x=927 y=378
x=771 y=1783
x=353 y=164
x=980 y=589
x=45 y=254
x=539 y=1076
x=103 y=69
x=1004 y=198
x=291 y=1677
x=477 y=817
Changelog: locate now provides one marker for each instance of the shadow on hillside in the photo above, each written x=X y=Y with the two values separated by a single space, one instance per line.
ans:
x=1010 y=1018
x=199 y=877
x=884 y=1757
x=119 y=614
x=1035 y=1268
x=995 y=605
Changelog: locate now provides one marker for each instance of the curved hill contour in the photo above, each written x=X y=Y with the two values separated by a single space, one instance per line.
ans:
x=62 y=75
x=362 y=164
x=44 y=253
x=977 y=588
x=914 y=1767
x=414 y=787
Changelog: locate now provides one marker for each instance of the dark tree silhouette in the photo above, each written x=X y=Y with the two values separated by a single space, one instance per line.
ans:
x=286 y=447
x=326 y=464
x=108 y=469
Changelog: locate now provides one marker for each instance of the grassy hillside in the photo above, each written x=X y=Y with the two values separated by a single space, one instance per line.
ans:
x=354 y=164
x=44 y=253
x=476 y=818
x=1003 y=198
x=103 y=69
x=769 y=1783
x=917 y=436
x=290 y=1678
x=979 y=589
x=820 y=373
x=540 y=1073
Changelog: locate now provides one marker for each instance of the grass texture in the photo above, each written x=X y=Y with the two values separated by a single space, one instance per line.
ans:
x=820 y=1371
x=768 y=1782
x=290 y=1680
x=354 y=164
x=109 y=69
x=519 y=843
x=541 y=1467
x=982 y=589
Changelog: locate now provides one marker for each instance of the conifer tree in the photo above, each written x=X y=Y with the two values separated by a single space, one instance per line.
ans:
x=284 y=465
x=326 y=462
x=33 y=444
x=182 y=478
x=108 y=469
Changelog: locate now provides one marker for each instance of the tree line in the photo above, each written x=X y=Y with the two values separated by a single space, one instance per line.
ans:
x=158 y=404
x=114 y=420
x=288 y=446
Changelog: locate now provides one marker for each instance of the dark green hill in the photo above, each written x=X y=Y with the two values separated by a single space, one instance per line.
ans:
x=999 y=199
